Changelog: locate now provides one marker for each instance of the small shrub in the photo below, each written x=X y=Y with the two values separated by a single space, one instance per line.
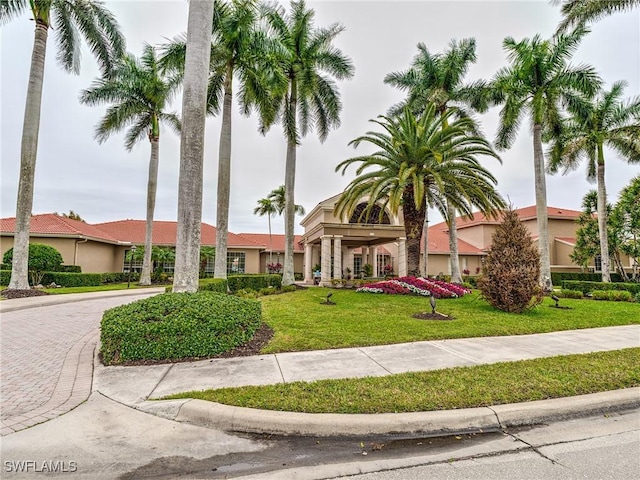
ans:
x=219 y=285
x=570 y=294
x=511 y=271
x=42 y=258
x=247 y=293
x=288 y=288
x=72 y=279
x=268 y=291
x=600 y=295
x=253 y=282
x=586 y=287
x=5 y=277
x=612 y=295
x=298 y=276
x=174 y=326
x=637 y=297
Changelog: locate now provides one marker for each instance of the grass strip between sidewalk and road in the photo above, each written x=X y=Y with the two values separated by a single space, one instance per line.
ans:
x=461 y=387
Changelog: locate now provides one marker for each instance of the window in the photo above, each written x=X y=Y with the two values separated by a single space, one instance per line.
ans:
x=136 y=264
x=598 y=263
x=384 y=261
x=357 y=265
x=235 y=262
x=209 y=268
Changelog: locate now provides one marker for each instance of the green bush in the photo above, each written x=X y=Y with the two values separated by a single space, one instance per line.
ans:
x=298 y=276
x=174 y=326
x=5 y=277
x=253 y=282
x=42 y=258
x=70 y=268
x=570 y=294
x=558 y=277
x=612 y=295
x=586 y=287
x=72 y=279
x=219 y=285
x=288 y=288
x=119 y=277
x=637 y=297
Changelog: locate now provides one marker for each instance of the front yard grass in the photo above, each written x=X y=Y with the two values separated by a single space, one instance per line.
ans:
x=95 y=288
x=461 y=387
x=301 y=322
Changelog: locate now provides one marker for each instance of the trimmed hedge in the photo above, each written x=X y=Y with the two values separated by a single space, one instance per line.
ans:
x=253 y=282
x=72 y=279
x=587 y=287
x=218 y=285
x=175 y=326
x=119 y=277
x=5 y=277
x=570 y=294
x=70 y=268
x=558 y=277
x=612 y=295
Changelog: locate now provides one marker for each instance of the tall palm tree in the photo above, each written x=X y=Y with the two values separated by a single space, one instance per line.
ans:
x=594 y=124
x=538 y=79
x=194 y=109
x=430 y=159
x=279 y=197
x=138 y=94
x=239 y=51
x=71 y=20
x=580 y=12
x=309 y=60
x=267 y=207
x=438 y=78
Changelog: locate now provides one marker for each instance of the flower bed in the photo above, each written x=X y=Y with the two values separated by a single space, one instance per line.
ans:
x=416 y=286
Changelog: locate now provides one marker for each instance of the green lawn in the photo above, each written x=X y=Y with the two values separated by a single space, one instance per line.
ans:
x=446 y=389
x=360 y=319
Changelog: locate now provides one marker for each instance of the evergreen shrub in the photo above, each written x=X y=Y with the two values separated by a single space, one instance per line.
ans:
x=586 y=287
x=175 y=326
x=253 y=282
x=511 y=270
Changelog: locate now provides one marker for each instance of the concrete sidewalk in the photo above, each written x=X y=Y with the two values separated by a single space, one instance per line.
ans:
x=137 y=386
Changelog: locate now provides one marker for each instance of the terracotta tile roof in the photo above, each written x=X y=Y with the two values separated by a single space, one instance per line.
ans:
x=277 y=240
x=526 y=213
x=52 y=224
x=164 y=233
x=439 y=243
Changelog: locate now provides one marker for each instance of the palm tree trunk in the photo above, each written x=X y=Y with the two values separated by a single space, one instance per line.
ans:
x=541 y=209
x=425 y=232
x=453 y=245
x=414 y=221
x=194 y=102
x=602 y=218
x=152 y=186
x=224 y=178
x=289 y=187
x=30 y=130
x=270 y=241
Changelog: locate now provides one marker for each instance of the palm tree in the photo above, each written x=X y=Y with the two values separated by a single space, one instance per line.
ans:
x=594 y=124
x=438 y=78
x=311 y=100
x=430 y=159
x=279 y=197
x=268 y=208
x=239 y=51
x=535 y=83
x=194 y=109
x=71 y=20
x=581 y=12
x=138 y=94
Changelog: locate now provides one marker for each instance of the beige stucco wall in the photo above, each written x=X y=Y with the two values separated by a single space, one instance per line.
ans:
x=96 y=257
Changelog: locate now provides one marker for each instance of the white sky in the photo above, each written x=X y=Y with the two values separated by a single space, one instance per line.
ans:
x=105 y=182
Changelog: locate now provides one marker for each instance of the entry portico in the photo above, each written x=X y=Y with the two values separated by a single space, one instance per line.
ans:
x=332 y=242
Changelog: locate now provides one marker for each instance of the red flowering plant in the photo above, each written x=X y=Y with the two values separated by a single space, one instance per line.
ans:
x=415 y=286
x=274 y=267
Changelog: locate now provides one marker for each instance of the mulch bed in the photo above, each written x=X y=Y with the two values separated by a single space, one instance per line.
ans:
x=10 y=293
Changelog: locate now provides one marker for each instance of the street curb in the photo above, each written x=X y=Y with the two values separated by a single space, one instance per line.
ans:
x=45 y=301
x=445 y=422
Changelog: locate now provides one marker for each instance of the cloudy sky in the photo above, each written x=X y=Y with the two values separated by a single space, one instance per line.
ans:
x=105 y=182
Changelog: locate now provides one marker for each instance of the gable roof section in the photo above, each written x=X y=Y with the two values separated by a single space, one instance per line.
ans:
x=439 y=243
x=277 y=240
x=50 y=224
x=164 y=233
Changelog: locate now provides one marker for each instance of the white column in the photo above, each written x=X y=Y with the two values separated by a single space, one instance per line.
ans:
x=308 y=272
x=365 y=255
x=374 y=260
x=337 y=256
x=325 y=270
x=349 y=260
x=402 y=257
